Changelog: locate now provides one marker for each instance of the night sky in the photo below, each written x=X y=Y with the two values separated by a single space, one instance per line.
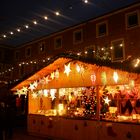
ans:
x=18 y=13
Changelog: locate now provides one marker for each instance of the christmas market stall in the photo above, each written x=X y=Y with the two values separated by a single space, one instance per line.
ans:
x=73 y=99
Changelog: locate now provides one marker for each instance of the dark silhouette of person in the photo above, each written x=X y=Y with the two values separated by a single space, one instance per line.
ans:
x=2 y=119
x=10 y=121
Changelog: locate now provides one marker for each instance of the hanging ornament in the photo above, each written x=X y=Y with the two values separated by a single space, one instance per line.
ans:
x=41 y=81
x=67 y=69
x=31 y=87
x=40 y=92
x=78 y=68
x=34 y=95
x=103 y=78
x=107 y=100
x=46 y=92
x=35 y=84
x=24 y=90
x=46 y=80
x=93 y=78
x=56 y=74
x=52 y=75
x=115 y=76
x=19 y=92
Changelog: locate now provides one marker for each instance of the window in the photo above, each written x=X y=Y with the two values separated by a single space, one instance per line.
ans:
x=117 y=47
x=132 y=19
x=28 y=52
x=101 y=29
x=58 y=42
x=77 y=36
x=17 y=55
x=42 y=47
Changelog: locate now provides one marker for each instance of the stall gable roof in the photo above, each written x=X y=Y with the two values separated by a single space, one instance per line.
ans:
x=43 y=72
x=59 y=61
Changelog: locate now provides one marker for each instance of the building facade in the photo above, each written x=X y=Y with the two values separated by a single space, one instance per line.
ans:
x=114 y=36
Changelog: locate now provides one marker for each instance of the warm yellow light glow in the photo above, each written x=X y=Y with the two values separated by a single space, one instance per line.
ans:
x=57 y=13
x=57 y=74
x=86 y=52
x=18 y=30
x=78 y=68
x=79 y=54
x=102 y=49
x=137 y=63
x=67 y=69
x=86 y=1
x=60 y=109
x=11 y=33
x=26 y=26
x=25 y=90
x=35 y=84
x=52 y=75
x=52 y=93
x=34 y=95
x=107 y=100
x=121 y=45
x=45 y=17
x=46 y=79
x=115 y=76
x=4 y=36
x=131 y=83
x=35 y=22
x=112 y=109
x=31 y=87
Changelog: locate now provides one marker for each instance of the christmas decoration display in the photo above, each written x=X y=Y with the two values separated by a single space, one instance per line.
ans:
x=89 y=102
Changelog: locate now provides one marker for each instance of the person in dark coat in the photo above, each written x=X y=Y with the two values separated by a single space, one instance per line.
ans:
x=10 y=121
x=2 y=119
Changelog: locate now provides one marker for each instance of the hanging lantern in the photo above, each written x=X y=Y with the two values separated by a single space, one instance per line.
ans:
x=57 y=74
x=78 y=68
x=115 y=76
x=103 y=78
x=34 y=95
x=93 y=78
x=46 y=92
